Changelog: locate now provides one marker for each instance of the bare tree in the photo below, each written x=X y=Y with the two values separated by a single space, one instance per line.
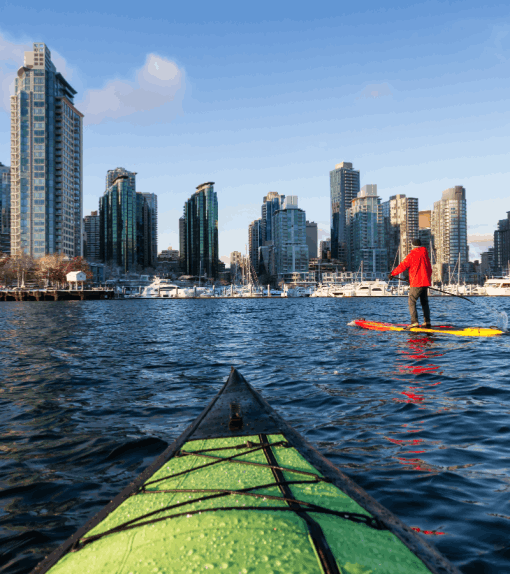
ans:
x=21 y=263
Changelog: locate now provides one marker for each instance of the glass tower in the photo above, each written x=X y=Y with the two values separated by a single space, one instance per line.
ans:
x=449 y=233
x=126 y=222
x=201 y=232
x=365 y=229
x=344 y=187
x=291 y=251
x=5 y=209
x=46 y=160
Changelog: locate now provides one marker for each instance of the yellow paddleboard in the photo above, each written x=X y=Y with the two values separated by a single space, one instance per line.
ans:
x=448 y=329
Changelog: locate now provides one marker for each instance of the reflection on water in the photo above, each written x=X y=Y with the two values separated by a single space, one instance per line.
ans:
x=91 y=392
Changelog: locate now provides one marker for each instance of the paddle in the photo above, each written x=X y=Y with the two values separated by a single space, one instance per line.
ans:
x=440 y=290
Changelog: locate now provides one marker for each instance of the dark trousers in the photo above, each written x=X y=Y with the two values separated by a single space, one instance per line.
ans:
x=420 y=293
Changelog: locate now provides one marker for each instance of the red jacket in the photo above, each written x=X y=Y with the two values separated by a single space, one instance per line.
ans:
x=420 y=270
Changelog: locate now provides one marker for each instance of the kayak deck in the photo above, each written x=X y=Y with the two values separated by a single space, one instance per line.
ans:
x=257 y=498
x=446 y=329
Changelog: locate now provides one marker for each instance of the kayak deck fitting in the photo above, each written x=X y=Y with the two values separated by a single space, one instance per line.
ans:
x=241 y=491
x=446 y=329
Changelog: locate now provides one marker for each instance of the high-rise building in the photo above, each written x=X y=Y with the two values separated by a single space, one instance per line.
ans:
x=5 y=209
x=366 y=232
x=152 y=214
x=344 y=187
x=311 y=239
x=127 y=221
x=325 y=249
x=487 y=264
x=182 y=242
x=254 y=243
x=501 y=260
x=291 y=251
x=271 y=203
x=425 y=231
x=201 y=232
x=46 y=160
x=236 y=259
x=117 y=212
x=449 y=233
x=401 y=226
x=92 y=243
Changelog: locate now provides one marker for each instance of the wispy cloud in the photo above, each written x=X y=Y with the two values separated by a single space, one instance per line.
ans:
x=373 y=91
x=158 y=82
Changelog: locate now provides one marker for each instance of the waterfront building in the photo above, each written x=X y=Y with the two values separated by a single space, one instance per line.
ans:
x=182 y=241
x=449 y=234
x=502 y=246
x=201 y=232
x=344 y=187
x=91 y=243
x=117 y=212
x=311 y=239
x=325 y=249
x=366 y=232
x=146 y=222
x=46 y=160
x=401 y=226
x=126 y=219
x=290 y=249
x=151 y=199
x=424 y=219
x=487 y=264
x=5 y=209
x=271 y=203
x=254 y=243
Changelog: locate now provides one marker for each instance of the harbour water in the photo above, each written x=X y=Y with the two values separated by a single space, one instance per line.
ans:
x=91 y=392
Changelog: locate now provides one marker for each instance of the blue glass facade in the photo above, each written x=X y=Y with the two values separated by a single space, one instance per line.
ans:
x=201 y=232
x=126 y=223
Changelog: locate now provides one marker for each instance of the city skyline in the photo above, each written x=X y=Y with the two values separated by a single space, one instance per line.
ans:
x=399 y=115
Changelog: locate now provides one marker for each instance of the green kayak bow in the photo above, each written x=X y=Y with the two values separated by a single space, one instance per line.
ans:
x=241 y=491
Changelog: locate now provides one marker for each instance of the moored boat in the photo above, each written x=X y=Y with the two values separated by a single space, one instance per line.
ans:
x=241 y=491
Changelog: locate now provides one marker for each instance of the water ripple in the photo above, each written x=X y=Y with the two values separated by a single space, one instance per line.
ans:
x=91 y=392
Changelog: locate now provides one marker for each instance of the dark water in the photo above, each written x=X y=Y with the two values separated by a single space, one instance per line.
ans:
x=91 y=392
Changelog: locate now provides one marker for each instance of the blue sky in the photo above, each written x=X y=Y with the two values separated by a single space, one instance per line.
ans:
x=270 y=96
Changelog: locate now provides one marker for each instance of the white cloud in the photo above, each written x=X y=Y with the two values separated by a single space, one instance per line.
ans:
x=373 y=91
x=158 y=82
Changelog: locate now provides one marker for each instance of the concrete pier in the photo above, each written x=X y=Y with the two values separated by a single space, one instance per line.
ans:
x=55 y=294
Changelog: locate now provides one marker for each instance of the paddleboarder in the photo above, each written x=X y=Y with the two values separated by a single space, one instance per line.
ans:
x=420 y=274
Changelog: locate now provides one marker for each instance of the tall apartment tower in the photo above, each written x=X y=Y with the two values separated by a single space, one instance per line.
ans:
x=501 y=256
x=117 y=213
x=152 y=212
x=271 y=203
x=91 y=244
x=254 y=242
x=344 y=187
x=366 y=232
x=127 y=222
x=201 y=232
x=5 y=209
x=401 y=226
x=449 y=232
x=311 y=239
x=46 y=160
x=291 y=251
x=182 y=242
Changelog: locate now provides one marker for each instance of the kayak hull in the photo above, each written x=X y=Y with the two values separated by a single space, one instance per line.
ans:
x=444 y=329
x=277 y=505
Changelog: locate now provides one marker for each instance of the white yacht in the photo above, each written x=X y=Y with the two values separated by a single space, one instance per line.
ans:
x=497 y=286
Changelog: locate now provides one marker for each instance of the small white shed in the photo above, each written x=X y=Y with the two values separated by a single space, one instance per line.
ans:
x=76 y=277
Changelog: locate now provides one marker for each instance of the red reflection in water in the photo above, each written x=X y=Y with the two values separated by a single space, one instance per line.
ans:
x=434 y=532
